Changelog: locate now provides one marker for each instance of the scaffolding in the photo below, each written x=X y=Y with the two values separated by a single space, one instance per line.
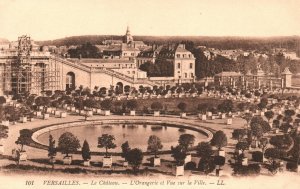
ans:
x=29 y=72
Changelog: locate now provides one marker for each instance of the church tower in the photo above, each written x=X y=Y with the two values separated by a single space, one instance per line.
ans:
x=127 y=37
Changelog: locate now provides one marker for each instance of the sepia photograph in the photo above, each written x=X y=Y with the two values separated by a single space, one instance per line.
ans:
x=149 y=94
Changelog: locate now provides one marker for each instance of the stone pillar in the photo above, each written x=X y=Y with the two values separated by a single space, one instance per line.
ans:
x=286 y=76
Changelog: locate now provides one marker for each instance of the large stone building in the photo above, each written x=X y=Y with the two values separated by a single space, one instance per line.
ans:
x=257 y=80
x=26 y=68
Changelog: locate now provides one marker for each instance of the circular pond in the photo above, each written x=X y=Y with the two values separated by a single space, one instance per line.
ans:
x=136 y=134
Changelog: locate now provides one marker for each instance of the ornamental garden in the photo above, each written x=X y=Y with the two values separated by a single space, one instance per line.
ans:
x=180 y=131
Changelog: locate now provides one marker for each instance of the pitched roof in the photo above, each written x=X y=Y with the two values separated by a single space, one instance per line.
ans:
x=180 y=49
x=100 y=60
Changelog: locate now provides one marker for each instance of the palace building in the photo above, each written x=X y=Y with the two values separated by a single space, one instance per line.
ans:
x=28 y=67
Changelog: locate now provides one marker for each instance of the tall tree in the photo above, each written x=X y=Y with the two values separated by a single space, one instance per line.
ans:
x=154 y=144
x=106 y=141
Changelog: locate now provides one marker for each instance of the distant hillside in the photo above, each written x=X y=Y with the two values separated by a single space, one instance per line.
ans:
x=246 y=43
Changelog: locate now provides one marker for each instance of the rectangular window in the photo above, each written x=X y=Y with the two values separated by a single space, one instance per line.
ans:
x=178 y=55
x=178 y=65
x=185 y=75
x=191 y=65
x=192 y=75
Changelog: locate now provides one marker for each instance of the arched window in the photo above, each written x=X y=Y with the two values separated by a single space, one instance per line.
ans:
x=70 y=81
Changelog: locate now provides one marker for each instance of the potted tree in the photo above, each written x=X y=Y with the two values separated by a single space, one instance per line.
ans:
x=106 y=105
x=263 y=144
x=125 y=149
x=23 y=139
x=156 y=106
x=135 y=158
x=68 y=143
x=132 y=105
x=86 y=153
x=219 y=140
x=106 y=141
x=51 y=150
x=269 y=115
x=187 y=141
x=205 y=151
x=241 y=147
x=202 y=108
x=179 y=154
x=219 y=161
x=154 y=145
x=3 y=135
x=182 y=106
x=273 y=154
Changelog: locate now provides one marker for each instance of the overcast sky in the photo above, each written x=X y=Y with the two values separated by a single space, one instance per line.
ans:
x=52 y=19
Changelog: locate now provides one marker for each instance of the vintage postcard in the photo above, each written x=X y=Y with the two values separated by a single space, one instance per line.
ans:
x=149 y=94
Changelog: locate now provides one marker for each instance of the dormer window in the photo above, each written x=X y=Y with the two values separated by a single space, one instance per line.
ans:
x=178 y=55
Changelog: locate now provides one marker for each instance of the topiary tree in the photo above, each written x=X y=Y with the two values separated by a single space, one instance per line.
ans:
x=135 y=158
x=273 y=154
x=204 y=150
x=179 y=154
x=203 y=107
x=182 y=106
x=263 y=103
x=106 y=104
x=127 y=89
x=219 y=140
x=186 y=141
x=154 y=145
x=281 y=142
x=24 y=138
x=243 y=145
x=289 y=113
x=125 y=149
x=226 y=106
x=85 y=151
x=51 y=148
x=132 y=104
x=269 y=115
x=263 y=144
x=156 y=106
x=106 y=141
x=207 y=165
x=68 y=143
x=239 y=134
